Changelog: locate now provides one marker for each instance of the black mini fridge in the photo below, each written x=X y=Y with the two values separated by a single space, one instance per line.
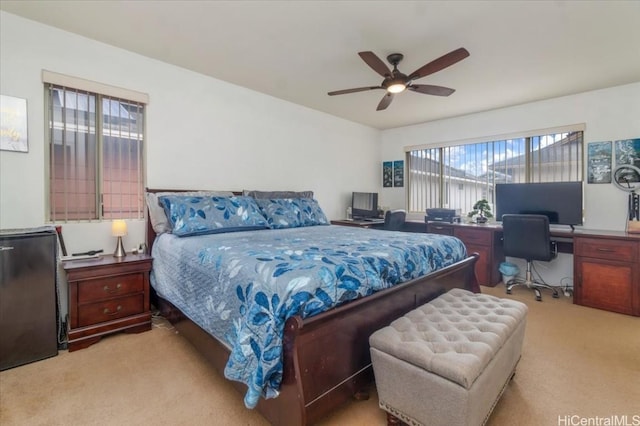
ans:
x=28 y=307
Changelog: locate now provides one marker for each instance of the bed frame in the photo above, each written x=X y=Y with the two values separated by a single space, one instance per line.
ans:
x=315 y=380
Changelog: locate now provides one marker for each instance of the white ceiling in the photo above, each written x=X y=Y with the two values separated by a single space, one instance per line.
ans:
x=521 y=51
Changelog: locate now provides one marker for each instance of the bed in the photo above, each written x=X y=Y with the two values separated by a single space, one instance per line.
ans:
x=321 y=348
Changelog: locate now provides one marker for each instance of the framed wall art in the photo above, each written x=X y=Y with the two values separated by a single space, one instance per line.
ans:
x=387 y=174
x=628 y=152
x=398 y=173
x=599 y=162
x=13 y=124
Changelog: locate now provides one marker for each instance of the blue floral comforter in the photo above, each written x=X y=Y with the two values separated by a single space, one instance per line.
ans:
x=242 y=287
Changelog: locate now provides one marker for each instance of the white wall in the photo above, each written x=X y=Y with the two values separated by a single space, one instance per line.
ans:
x=205 y=133
x=609 y=114
x=201 y=132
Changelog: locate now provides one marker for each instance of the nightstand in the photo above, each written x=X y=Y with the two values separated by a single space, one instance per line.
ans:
x=107 y=295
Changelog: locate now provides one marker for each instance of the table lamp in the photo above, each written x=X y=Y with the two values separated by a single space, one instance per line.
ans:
x=119 y=229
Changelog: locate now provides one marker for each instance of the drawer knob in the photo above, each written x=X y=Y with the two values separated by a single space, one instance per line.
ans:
x=606 y=250
x=108 y=312
x=114 y=290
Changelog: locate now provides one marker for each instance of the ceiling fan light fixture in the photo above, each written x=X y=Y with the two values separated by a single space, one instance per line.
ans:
x=397 y=88
x=396 y=82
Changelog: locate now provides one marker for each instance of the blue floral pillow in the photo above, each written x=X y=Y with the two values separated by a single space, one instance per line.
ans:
x=310 y=212
x=292 y=212
x=194 y=215
x=281 y=212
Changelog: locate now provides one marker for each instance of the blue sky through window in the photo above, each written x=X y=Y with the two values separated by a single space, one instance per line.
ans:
x=477 y=159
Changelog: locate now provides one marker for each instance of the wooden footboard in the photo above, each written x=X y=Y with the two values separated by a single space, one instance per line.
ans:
x=315 y=380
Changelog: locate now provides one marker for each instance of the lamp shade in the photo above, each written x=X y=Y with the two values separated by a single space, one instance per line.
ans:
x=119 y=228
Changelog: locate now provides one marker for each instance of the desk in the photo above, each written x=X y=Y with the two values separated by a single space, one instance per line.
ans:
x=606 y=264
x=373 y=223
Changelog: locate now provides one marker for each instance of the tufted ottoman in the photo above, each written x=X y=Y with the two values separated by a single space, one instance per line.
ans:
x=448 y=361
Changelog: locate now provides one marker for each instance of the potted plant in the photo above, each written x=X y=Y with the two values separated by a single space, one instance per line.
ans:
x=482 y=208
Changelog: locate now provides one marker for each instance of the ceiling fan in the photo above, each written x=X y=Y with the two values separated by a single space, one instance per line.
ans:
x=397 y=82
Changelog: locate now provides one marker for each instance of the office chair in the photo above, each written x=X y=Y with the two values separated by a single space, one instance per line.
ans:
x=394 y=220
x=526 y=236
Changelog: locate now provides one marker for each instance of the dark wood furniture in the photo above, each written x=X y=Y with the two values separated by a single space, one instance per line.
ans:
x=482 y=239
x=317 y=378
x=607 y=273
x=374 y=224
x=107 y=295
x=409 y=225
x=606 y=264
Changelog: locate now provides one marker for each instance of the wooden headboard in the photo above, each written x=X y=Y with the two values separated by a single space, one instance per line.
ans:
x=151 y=234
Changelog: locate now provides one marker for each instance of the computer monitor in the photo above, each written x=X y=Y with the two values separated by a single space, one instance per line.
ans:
x=561 y=202
x=364 y=205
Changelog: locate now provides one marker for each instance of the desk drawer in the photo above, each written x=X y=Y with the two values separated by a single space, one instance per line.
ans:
x=623 y=251
x=474 y=236
x=440 y=229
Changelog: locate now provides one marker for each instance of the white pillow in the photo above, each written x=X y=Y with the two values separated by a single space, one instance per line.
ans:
x=159 y=220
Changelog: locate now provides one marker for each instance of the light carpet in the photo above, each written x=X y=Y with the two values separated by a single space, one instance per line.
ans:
x=577 y=363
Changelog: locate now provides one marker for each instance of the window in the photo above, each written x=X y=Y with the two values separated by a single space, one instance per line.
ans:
x=455 y=177
x=95 y=155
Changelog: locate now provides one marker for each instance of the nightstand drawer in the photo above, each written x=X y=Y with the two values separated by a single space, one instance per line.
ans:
x=94 y=290
x=110 y=309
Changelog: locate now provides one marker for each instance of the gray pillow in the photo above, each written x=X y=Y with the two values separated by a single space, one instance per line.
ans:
x=273 y=195
x=158 y=218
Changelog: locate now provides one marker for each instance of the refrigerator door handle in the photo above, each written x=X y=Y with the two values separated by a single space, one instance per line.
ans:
x=5 y=248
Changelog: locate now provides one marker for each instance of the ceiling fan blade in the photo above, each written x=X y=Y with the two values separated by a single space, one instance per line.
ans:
x=440 y=63
x=386 y=100
x=357 y=89
x=375 y=63
x=428 y=89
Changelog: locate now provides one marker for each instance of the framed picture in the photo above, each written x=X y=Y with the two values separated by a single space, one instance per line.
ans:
x=387 y=174
x=13 y=124
x=398 y=173
x=599 y=162
x=628 y=152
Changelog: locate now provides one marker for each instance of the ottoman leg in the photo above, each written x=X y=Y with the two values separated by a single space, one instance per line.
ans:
x=393 y=420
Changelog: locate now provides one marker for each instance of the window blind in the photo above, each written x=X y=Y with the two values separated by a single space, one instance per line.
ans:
x=95 y=155
x=456 y=176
